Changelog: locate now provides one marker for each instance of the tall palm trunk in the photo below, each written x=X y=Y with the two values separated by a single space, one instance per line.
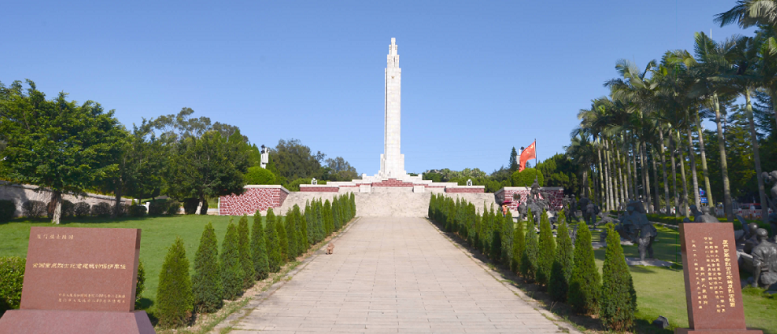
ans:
x=634 y=156
x=692 y=157
x=723 y=162
x=754 y=139
x=705 y=171
x=607 y=175
x=602 y=197
x=630 y=185
x=674 y=173
x=622 y=187
x=657 y=198
x=682 y=175
x=645 y=175
x=663 y=166
x=584 y=191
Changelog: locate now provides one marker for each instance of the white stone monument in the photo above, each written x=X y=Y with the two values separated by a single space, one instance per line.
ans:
x=392 y=162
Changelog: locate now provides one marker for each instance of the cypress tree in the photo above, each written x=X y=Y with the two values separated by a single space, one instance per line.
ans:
x=309 y=220
x=353 y=206
x=618 y=299
x=274 y=258
x=431 y=205
x=496 y=238
x=561 y=271
x=231 y=266
x=283 y=239
x=321 y=230
x=291 y=232
x=244 y=246
x=584 y=284
x=303 y=225
x=519 y=245
x=547 y=250
x=529 y=257
x=328 y=221
x=206 y=283
x=336 y=215
x=174 y=294
x=259 y=248
x=507 y=238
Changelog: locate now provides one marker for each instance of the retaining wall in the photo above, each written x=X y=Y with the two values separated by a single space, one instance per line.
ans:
x=20 y=193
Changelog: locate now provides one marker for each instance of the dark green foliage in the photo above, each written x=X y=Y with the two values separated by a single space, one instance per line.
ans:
x=68 y=209
x=34 y=209
x=496 y=237
x=7 y=208
x=618 y=299
x=206 y=283
x=309 y=222
x=82 y=209
x=328 y=221
x=173 y=207
x=101 y=209
x=174 y=299
x=137 y=211
x=561 y=271
x=547 y=250
x=319 y=217
x=259 y=248
x=353 y=205
x=584 y=283
x=244 y=246
x=140 y=284
x=507 y=238
x=530 y=253
x=259 y=175
x=274 y=258
x=304 y=243
x=291 y=234
x=231 y=267
x=12 y=277
x=158 y=207
x=336 y=218
x=525 y=178
x=283 y=238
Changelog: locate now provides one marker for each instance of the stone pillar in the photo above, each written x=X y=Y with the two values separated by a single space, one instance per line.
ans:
x=392 y=162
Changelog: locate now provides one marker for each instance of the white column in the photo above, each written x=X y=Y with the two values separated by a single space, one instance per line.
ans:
x=392 y=162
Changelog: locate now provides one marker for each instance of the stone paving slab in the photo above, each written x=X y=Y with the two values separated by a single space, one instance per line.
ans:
x=394 y=275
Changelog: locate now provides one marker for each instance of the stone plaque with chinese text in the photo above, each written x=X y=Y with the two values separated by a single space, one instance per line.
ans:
x=85 y=269
x=712 y=289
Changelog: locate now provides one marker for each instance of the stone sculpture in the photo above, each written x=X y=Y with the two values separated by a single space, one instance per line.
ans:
x=764 y=261
x=636 y=227
x=705 y=216
x=772 y=200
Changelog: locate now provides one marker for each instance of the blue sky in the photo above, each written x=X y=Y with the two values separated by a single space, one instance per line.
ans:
x=477 y=77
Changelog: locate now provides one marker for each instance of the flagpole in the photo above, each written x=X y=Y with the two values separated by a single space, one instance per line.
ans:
x=536 y=160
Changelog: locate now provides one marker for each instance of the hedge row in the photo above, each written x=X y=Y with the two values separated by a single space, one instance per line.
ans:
x=567 y=272
x=247 y=255
x=38 y=209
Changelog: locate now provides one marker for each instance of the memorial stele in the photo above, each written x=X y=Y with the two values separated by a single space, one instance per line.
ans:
x=392 y=161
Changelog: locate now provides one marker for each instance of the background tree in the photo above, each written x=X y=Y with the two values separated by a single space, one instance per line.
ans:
x=525 y=178
x=174 y=294
x=206 y=283
x=56 y=143
x=513 y=163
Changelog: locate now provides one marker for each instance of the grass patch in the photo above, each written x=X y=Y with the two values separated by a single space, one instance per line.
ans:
x=158 y=233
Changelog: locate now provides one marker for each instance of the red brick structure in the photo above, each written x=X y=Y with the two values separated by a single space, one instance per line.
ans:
x=255 y=197
x=556 y=195
x=466 y=189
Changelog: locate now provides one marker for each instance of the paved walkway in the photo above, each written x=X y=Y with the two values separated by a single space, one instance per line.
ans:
x=394 y=275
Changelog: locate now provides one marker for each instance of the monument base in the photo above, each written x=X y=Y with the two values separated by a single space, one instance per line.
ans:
x=716 y=331
x=75 y=322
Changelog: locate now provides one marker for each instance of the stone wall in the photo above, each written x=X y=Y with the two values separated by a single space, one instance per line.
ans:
x=255 y=197
x=23 y=193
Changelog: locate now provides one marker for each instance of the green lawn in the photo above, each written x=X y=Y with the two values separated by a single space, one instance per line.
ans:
x=158 y=233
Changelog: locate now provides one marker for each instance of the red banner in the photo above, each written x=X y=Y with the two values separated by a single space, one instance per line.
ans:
x=527 y=154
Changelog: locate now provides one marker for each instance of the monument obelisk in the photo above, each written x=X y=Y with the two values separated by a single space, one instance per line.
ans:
x=392 y=162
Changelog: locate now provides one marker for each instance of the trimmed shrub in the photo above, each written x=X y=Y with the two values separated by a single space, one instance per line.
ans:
x=525 y=178
x=173 y=208
x=123 y=209
x=7 y=209
x=258 y=175
x=547 y=250
x=618 y=299
x=584 y=283
x=68 y=208
x=519 y=245
x=329 y=225
x=259 y=248
x=507 y=238
x=101 y=209
x=353 y=206
x=140 y=284
x=496 y=237
x=174 y=300
x=190 y=205
x=206 y=283
x=245 y=252
x=157 y=207
x=283 y=239
x=231 y=268
x=529 y=256
x=291 y=234
x=304 y=243
x=274 y=258
x=34 y=209
x=336 y=215
x=561 y=271
x=12 y=277
x=82 y=209
x=137 y=211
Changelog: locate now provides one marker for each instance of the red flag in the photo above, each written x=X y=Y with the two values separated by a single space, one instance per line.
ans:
x=527 y=154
